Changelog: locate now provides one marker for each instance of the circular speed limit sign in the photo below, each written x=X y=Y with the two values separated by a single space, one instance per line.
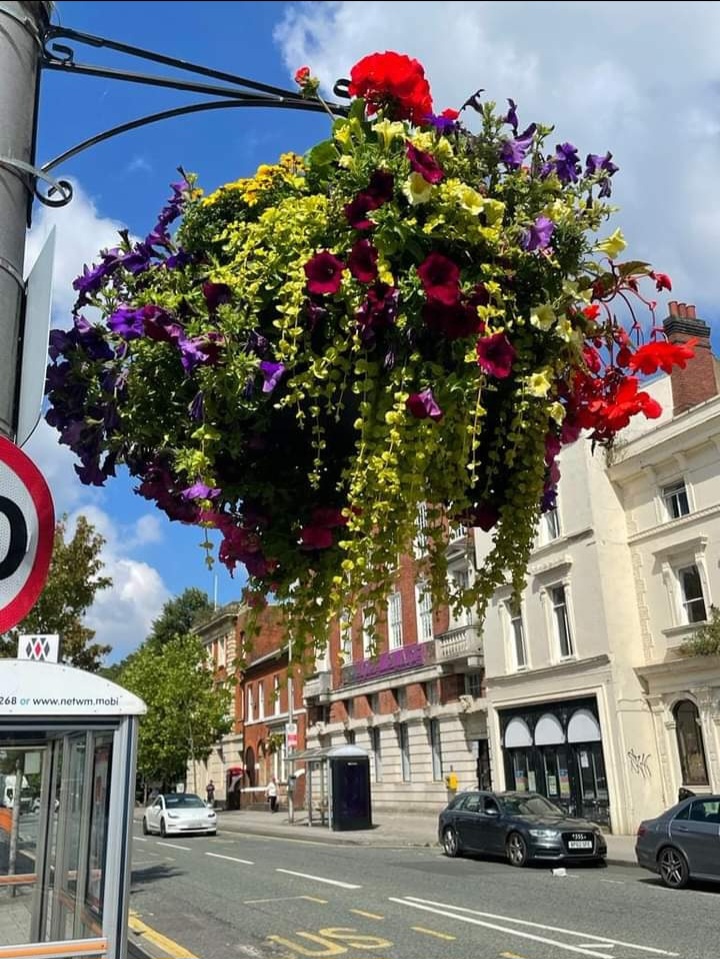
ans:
x=27 y=527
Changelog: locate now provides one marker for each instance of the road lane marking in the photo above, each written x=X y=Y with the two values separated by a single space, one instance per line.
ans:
x=173 y=948
x=508 y=929
x=432 y=932
x=368 y=915
x=217 y=855
x=614 y=882
x=174 y=845
x=510 y=955
x=600 y=942
x=330 y=882
x=252 y=902
x=139 y=839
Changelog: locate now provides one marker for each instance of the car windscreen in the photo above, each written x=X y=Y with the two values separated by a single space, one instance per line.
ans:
x=183 y=802
x=529 y=806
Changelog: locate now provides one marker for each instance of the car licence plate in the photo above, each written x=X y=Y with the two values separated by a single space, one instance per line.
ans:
x=580 y=844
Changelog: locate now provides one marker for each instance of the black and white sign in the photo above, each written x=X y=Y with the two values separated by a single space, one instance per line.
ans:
x=27 y=527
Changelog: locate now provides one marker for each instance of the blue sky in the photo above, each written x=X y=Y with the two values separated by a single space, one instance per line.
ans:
x=661 y=122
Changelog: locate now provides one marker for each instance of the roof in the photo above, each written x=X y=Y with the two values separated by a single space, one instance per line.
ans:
x=329 y=752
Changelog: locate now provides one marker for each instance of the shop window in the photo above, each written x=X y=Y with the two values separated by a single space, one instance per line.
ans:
x=690 y=744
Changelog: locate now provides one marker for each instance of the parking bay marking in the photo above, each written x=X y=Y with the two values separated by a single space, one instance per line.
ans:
x=174 y=845
x=432 y=932
x=217 y=855
x=598 y=942
x=330 y=882
x=158 y=939
x=368 y=915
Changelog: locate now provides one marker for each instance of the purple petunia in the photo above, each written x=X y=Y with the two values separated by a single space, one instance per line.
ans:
x=511 y=116
x=539 y=234
x=565 y=163
x=513 y=152
x=200 y=490
x=272 y=374
x=128 y=323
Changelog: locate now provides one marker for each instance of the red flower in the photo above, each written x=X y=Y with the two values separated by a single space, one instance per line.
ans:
x=423 y=405
x=440 y=278
x=393 y=81
x=450 y=114
x=315 y=537
x=495 y=355
x=662 y=281
x=591 y=312
x=362 y=261
x=424 y=163
x=647 y=358
x=302 y=76
x=324 y=273
x=357 y=210
x=454 y=321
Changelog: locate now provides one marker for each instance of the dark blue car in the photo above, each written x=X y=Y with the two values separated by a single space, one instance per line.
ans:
x=521 y=826
x=683 y=843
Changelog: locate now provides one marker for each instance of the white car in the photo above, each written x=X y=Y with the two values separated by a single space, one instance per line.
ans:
x=175 y=813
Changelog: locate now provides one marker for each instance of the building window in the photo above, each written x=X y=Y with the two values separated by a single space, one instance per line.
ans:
x=436 y=750
x=421 y=525
x=276 y=695
x=676 y=501
x=395 y=631
x=261 y=701
x=401 y=697
x=404 y=741
x=350 y=737
x=221 y=652
x=424 y=612
x=517 y=634
x=368 y=632
x=250 y=706
x=376 y=749
x=346 y=640
x=551 y=520
x=350 y=708
x=562 y=621
x=431 y=693
x=374 y=703
x=690 y=744
x=691 y=594
x=473 y=684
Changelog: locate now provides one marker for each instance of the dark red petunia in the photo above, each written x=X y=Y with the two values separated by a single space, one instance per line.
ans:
x=378 y=312
x=216 y=294
x=362 y=261
x=424 y=163
x=315 y=537
x=356 y=212
x=328 y=516
x=423 y=405
x=495 y=355
x=392 y=81
x=440 y=278
x=454 y=321
x=324 y=273
x=380 y=188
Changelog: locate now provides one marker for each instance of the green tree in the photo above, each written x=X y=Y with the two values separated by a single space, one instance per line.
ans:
x=179 y=615
x=74 y=580
x=186 y=711
x=706 y=640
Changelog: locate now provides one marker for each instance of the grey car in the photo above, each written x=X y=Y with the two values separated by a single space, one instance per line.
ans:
x=521 y=826
x=683 y=843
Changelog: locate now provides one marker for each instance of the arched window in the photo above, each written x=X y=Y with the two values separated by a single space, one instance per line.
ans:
x=690 y=744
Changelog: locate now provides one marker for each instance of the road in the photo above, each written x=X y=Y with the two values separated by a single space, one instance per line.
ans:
x=277 y=898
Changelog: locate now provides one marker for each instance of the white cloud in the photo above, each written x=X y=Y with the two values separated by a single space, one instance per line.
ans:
x=80 y=233
x=138 y=164
x=644 y=87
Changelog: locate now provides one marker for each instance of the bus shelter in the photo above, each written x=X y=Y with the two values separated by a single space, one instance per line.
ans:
x=67 y=786
x=337 y=791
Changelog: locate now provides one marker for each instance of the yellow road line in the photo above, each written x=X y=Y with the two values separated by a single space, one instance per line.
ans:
x=174 y=949
x=368 y=915
x=323 y=902
x=510 y=955
x=432 y=932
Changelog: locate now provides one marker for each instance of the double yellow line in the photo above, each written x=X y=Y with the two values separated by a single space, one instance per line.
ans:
x=173 y=949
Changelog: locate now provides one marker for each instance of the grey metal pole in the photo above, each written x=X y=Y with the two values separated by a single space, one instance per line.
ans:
x=21 y=28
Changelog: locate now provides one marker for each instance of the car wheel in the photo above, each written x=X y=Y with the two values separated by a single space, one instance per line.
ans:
x=451 y=842
x=673 y=868
x=516 y=849
x=163 y=831
x=213 y=833
x=145 y=827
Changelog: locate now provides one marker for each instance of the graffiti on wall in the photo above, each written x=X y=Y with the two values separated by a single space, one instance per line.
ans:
x=640 y=764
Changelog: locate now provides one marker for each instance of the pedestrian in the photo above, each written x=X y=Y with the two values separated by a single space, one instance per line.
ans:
x=272 y=794
x=210 y=790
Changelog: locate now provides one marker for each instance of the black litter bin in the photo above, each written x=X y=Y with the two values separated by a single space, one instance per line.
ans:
x=350 y=800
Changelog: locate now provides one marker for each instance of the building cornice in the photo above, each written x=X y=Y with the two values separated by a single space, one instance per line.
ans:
x=567 y=668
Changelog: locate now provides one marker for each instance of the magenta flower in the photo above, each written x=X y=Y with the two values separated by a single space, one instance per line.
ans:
x=424 y=163
x=324 y=273
x=423 y=405
x=495 y=355
x=380 y=188
x=362 y=261
x=440 y=278
x=454 y=321
x=272 y=374
x=357 y=211
x=200 y=490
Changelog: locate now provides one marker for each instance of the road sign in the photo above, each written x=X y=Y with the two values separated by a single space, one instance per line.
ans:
x=291 y=736
x=27 y=527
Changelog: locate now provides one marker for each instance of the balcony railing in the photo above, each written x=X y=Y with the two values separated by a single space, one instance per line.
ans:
x=457 y=534
x=317 y=686
x=459 y=643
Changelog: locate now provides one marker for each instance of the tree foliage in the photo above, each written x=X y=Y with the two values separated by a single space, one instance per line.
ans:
x=179 y=615
x=73 y=582
x=706 y=640
x=186 y=711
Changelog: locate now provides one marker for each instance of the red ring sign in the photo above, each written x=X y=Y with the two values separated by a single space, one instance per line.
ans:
x=27 y=529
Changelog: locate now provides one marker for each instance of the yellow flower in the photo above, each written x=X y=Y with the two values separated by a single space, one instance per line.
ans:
x=387 y=130
x=417 y=189
x=423 y=141
x=557 y=412
x=345 y=161
x=538 y=384
x=613 y=245
x=543 y=317
x=493 y=210
x=470 y=200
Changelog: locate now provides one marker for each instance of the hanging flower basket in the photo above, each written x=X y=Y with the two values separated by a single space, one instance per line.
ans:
x=412 y=313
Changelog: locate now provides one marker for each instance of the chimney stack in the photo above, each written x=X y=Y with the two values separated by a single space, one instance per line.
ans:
x=697 y=382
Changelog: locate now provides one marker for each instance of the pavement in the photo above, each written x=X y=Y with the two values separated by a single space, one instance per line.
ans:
x=389 y=830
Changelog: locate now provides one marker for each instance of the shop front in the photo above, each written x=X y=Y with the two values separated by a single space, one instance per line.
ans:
x=556 y=749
